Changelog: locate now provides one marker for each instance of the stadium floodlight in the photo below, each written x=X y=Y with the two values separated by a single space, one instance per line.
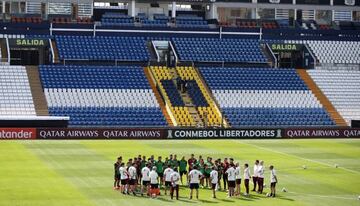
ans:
x=350 y=2
x=274 y=1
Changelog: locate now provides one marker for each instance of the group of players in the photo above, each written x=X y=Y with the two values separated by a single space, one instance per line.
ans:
x=151 y=173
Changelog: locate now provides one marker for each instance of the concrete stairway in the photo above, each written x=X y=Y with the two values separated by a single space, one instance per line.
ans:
x=158 y=97
x=187 y=101
x=334 y=114
x=37 y=92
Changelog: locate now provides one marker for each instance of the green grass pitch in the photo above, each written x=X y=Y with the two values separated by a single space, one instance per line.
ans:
x=81 y=172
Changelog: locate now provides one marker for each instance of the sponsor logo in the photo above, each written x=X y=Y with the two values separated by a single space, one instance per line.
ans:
x=224 y=133
x=17 y=133
x=294 y=133
x=74 y=133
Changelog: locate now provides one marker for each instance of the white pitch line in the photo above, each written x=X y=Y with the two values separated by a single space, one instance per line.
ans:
x=323 y=196
x=306 y=159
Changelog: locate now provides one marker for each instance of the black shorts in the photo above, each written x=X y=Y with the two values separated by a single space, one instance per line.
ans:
x=117 y=176
x=132 y=181
x=183 y=173
x=161 y=175
x=154 y=186
x=238 y=181
x=167 y=184
x=231 y=183
x=124 y=182
x=145 y=183
x=207 y=175
x=194 y=185
x=213 y=186
x=273 y=184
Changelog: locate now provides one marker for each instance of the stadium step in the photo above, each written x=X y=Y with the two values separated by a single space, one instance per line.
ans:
x=56 y=53
x=37 y=91
x=158 y=97
x=334 y=114
x=187 y=101
x=4 y=51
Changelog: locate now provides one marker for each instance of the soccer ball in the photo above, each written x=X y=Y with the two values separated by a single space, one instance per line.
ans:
x=304 y=167
x=359 y=197
x=283 y=189
x=336 y=165
x=267 y=194
x=264 y=186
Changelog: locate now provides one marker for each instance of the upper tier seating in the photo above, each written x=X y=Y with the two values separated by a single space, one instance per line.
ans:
x=264 y=97
x=111 y=96
x=15 y=94
x=116 y=19
x=191 y=21
x=212 y=49
x=102 y=48
x=342 y=88
x=334 y=52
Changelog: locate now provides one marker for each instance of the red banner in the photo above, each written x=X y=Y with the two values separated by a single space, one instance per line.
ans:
x=17 y=133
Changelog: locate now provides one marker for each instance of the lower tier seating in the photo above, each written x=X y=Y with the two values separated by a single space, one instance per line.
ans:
x=265 y=97
x=342 y=88
x=101 y=96
x=15 y=94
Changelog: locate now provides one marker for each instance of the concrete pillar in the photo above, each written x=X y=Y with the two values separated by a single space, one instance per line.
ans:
x=131 y=9
x=212 y=12
x=3 y=7
x=173 y=9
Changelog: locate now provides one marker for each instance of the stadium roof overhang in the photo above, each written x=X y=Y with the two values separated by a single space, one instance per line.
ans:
x=286 y=6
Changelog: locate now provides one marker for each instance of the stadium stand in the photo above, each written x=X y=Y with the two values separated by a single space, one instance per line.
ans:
x=15 y=93
x=342 y=88
x=172 y=98
x=102 y=48
x=217 y=50
x=334 y=52
x=116 y=19
x=191 y=21
x=102 y=96
x=264 y=97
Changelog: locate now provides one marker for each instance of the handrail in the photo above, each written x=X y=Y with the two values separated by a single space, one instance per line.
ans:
x=156 y=52
x=8 y=49
x=173 y=49
x=272 y=54
x=52 y=51
x=311 y=53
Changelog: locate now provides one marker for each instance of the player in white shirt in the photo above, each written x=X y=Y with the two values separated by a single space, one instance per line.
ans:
x=214 y=178
x=132 y=177
x=231 y=179
x=194 y=178
x=255 y=174
x=273 y=180
x=260 y=171
x=167 y=177
x=246 y=178
x=123 y=177
x=237 y=179
x=175 y=178
x=145 y=173
x=154 y=184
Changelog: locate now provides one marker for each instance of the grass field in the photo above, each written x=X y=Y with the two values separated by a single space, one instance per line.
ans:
x=81 y=172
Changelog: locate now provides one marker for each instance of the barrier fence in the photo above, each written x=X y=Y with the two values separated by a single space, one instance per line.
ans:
x=170 y=133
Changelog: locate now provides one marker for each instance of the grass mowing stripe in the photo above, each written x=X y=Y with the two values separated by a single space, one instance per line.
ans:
x=296 y=156
x=26 y=180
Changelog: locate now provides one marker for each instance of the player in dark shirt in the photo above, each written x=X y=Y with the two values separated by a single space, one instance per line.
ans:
x=225 y=166
x=117 y=173
x=191 y=162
